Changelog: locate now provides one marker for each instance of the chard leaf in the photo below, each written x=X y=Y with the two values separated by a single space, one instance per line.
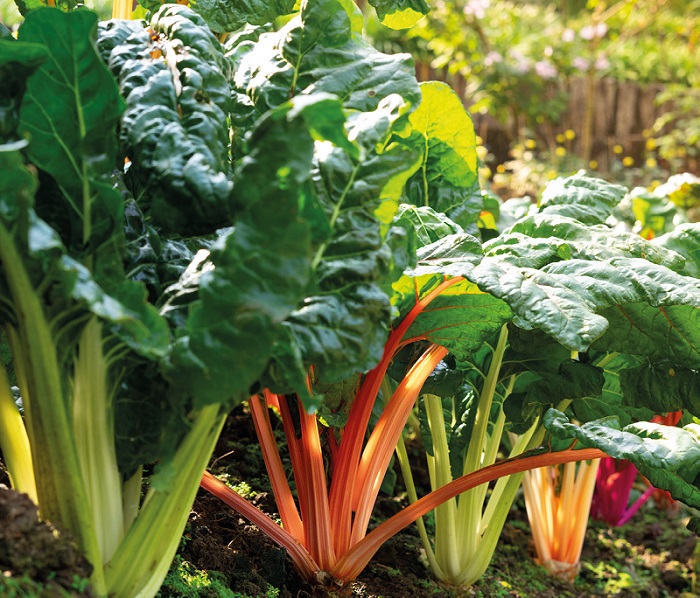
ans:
x=321 y=50
x=662 y=388
x=684 y=240
x=342 y=325
x=257 y=274
x=667 y=456
x=614 y=400
x=541 y=388
x=586 y=199
x=18 y=60
x=400 y=14
x=538 y=239
x=631 y=305
x=443 y=131
x=231 y=15
x=430 y=226
x=174 y=131
x=70 y=112
x=462 y=316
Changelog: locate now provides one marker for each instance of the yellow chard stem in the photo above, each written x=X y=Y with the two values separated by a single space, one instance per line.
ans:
x=15 y=442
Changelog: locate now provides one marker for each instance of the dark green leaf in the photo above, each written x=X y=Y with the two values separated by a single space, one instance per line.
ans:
x=174 y=129
x=230 y=15
x=321 y=50
x=667 y=456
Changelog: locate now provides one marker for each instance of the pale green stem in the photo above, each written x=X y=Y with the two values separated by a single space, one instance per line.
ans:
x=131 y=498
x=143 y=558
x=93 y=430
x=402 y=456
x=469 y=530
x=60 y=487
x=447 y=549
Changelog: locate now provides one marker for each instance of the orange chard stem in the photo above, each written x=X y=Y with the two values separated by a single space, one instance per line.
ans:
x=351 y=564
x=385 y=436
x=348 y=454
x=302 y=559
x=275 y=469
x=316 y=513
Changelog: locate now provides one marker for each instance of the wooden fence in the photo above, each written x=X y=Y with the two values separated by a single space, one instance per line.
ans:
x=622 y=112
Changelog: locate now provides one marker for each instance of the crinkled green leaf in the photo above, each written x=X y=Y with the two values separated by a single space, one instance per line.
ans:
x=400 y=14
x=321 y=50
x=684 y=240
x=538 y=239
x=230 y=15
x=662 y=388
x=257 y=274
x=640 y=307
x=430 y=226
x=174 y=131
x=342 y=325
x=613 y=401
x=444 y=133
x=667 y=456
x=586 y=199
x=541 y=388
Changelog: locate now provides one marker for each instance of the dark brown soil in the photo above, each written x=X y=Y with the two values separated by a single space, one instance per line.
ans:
x=35 y=558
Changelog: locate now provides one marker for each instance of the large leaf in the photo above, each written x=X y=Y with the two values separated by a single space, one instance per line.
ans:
x=538 y=239
x=645 y=308
x=322 y=49
x=230 y=15
x=70 y=111
x=257 y=274
x=662 y=388
x=614 y=400
x=667 y=456
x=341 y=327
x=443 y=132
x=174 y=131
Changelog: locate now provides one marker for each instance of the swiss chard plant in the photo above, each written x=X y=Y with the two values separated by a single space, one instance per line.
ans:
x=289 y=219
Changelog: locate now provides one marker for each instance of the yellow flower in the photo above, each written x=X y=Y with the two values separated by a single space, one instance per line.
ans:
x=560 y=151
x=551 y=174
x=486 y=172
x=617 y=148
x=646 y=133
x=479 y=140
x=654 y=184
x=570 y=134
x=560 y=138
x=530 y=144
x=628 y=161
x=593 y=164
x=651 y=163
x=650 y=144
x=500 y=169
